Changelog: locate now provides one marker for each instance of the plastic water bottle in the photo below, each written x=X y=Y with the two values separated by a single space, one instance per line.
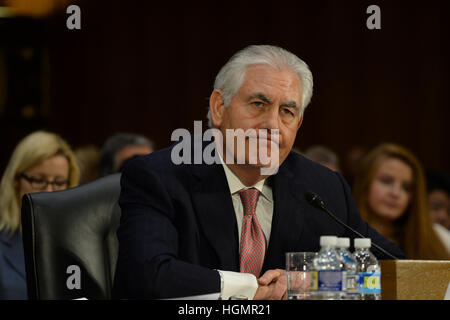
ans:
x=350 y=268
x=329 y=268
x=369 y=271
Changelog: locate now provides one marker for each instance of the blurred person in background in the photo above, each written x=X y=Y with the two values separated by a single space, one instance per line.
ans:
x=41 y=162
x=352 y=162
x=119 y=148
x=324 y=156
x=438 y=186
x=87 y=157
x=390 y=193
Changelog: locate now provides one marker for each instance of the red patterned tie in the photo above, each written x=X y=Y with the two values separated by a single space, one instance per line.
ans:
x=253 y=242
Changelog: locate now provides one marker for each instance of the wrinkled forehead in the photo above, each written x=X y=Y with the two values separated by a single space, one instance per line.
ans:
x=267 y=80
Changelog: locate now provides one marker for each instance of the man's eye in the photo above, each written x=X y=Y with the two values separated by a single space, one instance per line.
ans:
x=287 y=111
x=257 y=103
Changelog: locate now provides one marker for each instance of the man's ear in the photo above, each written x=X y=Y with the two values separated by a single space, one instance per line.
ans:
x=216 y=108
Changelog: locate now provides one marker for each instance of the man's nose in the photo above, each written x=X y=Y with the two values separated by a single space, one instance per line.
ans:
x=271 y=119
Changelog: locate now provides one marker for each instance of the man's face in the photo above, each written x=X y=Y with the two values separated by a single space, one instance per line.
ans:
x=268 y=99
x=439 y=202
x=130 y=151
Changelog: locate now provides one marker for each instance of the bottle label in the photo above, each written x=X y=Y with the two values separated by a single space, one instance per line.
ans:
x=314 y=280
x=329 y=280
x=370 y=282
x=352 y=282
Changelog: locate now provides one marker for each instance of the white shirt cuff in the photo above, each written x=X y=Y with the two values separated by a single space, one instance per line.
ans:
x=236 y=283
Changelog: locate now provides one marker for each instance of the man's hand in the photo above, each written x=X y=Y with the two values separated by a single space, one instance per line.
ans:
x=271 y=285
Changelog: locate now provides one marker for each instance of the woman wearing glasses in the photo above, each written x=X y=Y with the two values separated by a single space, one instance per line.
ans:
x=41 y=162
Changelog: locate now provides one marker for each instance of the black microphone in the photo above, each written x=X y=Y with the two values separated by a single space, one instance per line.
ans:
x=315 y=200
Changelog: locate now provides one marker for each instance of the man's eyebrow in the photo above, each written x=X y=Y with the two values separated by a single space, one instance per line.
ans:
x=291 y=104
x=263 y=97
x=260 y=96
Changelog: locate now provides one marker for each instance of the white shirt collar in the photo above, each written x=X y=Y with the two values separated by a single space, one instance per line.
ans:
x=235 y=184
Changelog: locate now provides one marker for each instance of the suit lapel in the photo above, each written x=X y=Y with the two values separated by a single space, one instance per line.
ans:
x=214 y=207
x=288 y=218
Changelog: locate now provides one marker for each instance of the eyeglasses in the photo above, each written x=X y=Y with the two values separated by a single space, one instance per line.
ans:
x=41 y=184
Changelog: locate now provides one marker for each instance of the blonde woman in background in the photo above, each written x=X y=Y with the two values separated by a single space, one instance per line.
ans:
x=41 y=162
x=390 y=192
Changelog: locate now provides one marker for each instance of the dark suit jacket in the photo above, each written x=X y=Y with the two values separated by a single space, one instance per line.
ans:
x=13 y=283
x=178 y=223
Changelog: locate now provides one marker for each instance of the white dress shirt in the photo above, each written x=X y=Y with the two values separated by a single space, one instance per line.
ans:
x=236 y=283
x=443 y=234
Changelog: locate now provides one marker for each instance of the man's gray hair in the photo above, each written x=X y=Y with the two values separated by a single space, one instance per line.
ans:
x=231 y=77
x=322 y=155
x=108 y=154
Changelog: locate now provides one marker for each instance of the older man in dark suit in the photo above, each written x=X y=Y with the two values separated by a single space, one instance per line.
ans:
x=191 y=229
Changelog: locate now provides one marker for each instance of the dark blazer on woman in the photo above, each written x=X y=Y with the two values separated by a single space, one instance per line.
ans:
x=13 y=285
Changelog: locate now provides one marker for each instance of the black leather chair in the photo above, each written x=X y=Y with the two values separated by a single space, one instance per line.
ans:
x=70 y=229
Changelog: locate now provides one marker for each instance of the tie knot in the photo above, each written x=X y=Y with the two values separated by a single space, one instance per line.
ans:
x=249 y=198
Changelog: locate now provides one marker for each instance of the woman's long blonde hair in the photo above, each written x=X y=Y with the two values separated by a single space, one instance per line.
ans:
x=414 y=234
x=31 y=150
